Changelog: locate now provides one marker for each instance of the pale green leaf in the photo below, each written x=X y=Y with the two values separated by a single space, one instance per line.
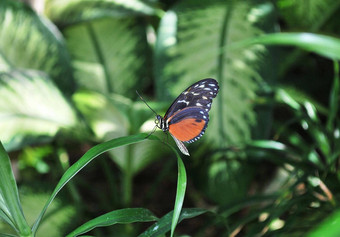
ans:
x=32 y=109
x=30 y=41
x=109 y=55
x=73 y=11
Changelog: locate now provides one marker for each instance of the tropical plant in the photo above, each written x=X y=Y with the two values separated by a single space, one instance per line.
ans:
x=68 y=75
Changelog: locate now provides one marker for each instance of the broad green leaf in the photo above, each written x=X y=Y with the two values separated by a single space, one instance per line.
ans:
x=180 y=193
x=109 y=55
x=122 y=216
x=305 y=15
x=9 y=195
x=32 y=109
x=83 y=161
x=74 y=11
x=323 y=45
x=30 y=41
x=163 y=225
x=190 y=46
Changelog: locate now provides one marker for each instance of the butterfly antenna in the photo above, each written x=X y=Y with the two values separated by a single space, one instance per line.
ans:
x=145 y=102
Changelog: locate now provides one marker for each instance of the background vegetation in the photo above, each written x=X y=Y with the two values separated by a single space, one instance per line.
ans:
x=268 y=164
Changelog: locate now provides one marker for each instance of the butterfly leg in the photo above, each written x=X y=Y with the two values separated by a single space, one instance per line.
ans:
x=153 y=130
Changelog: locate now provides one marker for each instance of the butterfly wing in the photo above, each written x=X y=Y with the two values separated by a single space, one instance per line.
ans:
x=187 y=117
x=199 y=94
x=188 y=124
x=181 y=146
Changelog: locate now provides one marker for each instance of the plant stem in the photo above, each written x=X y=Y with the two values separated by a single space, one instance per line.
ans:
x=127 y=178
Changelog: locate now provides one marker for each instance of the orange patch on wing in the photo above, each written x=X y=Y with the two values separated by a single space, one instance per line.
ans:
x=187 y=129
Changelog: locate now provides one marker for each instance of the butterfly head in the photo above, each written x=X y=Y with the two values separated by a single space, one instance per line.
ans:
x=160 y=123
x=158 y=120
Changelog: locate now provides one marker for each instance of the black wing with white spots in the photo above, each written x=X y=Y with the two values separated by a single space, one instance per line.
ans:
x=200 y=94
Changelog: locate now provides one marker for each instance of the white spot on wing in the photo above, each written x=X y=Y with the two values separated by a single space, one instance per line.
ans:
x=204 y=97
x=183 y=101
x=201 y=86
x=207 y=89
x=213 y=85
x=198 y=104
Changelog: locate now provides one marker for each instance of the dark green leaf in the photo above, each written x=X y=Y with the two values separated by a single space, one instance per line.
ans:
x=123 y=216
x=164 y=224
x=334 y=98
x=305 y=15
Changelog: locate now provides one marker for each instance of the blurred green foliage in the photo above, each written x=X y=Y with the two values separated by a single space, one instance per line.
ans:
x=268 y=164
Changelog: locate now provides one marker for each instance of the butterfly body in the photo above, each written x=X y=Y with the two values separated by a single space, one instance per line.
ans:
x=188 y=117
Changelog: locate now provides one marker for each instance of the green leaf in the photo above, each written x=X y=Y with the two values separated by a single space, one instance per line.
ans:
x=274 y=145
x=323 y=45
x=305 y=15
x=82 y=162
x=123 y=216
x=295 y=97
x=115 y=116
x=329 y=227
x=32 y=109
x=74 y=11
x=163 y=225
x=9 y=195
x=105 y=117
x=62 y=213
x=30 y=41
x=180 y=193
x=109 y=55
x=334 y=98
x=190 y=42
x=284 y=96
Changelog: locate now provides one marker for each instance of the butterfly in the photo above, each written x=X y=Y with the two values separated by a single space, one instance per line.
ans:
x=187 y=118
